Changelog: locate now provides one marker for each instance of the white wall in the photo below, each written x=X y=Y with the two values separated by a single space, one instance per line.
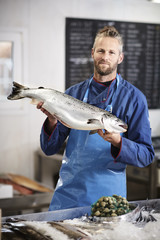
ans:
x=43 y=22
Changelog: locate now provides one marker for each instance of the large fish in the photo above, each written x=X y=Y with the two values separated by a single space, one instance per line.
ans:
x=70 y=111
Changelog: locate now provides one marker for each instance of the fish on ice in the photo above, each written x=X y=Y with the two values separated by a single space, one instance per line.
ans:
x=70 y=111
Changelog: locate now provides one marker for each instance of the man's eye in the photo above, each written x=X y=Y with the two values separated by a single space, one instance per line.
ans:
x=100 y=50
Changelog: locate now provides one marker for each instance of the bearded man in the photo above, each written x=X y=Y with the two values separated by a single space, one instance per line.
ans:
x=95 y=165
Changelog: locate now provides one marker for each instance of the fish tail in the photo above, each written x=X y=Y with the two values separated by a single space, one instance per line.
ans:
x=16 y=91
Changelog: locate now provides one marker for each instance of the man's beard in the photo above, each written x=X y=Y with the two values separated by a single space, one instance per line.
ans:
x=106 y=71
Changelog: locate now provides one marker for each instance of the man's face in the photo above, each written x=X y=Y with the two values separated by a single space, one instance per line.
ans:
x=106 y=56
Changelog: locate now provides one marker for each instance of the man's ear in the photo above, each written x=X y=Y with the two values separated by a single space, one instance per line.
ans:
x=121 y=57
x=92 y=53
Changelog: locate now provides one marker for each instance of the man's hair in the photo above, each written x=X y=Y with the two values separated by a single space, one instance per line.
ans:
x=109 y=31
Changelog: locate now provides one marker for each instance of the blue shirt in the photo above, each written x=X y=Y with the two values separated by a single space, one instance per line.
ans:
x=130 y=106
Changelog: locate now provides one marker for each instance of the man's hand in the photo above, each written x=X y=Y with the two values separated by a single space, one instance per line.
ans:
x=113 y=138
x=52 y=120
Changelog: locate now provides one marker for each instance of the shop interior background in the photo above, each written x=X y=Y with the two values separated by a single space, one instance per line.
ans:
x=37 y=30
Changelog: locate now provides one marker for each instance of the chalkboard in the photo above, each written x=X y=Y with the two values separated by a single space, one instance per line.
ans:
x=141 y=64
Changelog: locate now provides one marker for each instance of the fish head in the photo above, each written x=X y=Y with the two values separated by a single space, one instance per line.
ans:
x=113 y=124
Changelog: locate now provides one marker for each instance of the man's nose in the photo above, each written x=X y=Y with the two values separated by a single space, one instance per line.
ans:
x=105 y=55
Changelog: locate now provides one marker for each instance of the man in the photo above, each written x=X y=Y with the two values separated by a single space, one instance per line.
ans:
x=94 y=165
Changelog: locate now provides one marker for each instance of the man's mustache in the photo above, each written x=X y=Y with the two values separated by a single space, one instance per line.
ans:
x=102 y=61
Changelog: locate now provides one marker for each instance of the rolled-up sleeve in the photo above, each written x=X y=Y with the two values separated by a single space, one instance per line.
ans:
x=136 y=147
x=52 y=143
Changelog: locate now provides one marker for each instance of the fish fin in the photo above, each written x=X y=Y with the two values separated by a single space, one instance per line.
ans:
x=16 y=91
x=34 y=101
x=93 y=132
x=90 y=121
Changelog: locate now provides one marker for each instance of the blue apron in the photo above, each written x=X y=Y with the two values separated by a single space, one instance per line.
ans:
x=88 y=169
